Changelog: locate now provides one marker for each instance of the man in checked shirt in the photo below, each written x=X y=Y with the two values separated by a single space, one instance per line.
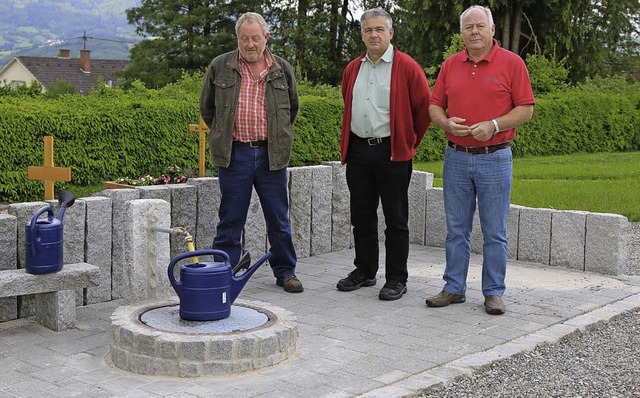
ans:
x=249 y=100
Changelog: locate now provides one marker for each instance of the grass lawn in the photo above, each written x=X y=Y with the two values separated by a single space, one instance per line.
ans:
x=595 y=182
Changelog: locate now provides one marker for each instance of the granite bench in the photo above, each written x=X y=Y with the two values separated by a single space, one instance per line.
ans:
x=55 y=298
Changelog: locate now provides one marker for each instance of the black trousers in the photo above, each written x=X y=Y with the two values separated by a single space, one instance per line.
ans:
x=372 y=177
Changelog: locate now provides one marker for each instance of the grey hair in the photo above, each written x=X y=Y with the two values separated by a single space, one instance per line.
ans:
x=485 y=9
x=252 y=17
x=374 y=13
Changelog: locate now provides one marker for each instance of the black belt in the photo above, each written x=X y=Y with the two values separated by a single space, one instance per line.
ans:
x=252 y=144
x=475 y=150
x=370 y=141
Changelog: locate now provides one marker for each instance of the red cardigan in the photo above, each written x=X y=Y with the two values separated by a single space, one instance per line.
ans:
x=409 y=105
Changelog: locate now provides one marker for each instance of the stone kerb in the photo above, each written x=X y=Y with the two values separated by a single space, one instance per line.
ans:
x=23 y=213
x=534 y=235
x=321 y=209
x=341 y=237
x=477 y=240
x=255 y=229
x=97 y=247
x=607 y=243
x=436 y=224
x=420 y=182
x=184 y=210
x=119 y=198
x=513 y=226
x=207 y=214
x=300 y=205
x=568 y=233
x=146 y=251
x=74 y=235
x=8 y=261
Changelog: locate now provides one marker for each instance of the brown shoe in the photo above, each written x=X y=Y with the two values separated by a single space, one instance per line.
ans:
x=494 y=305
x=444 y=298
x=290 y=283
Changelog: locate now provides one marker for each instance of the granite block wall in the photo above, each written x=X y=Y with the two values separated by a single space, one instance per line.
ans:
x=23 y=213
x=8 y=261
x=568 y=229
x=301 y=199
x=420 y=181
x=207 y=214
x=606 y=244
x=321 y=209
x=184 y=210
x=97 y=245
x=110 y=231
x=436 y=224
x=73 y=221
x=146 y=252
x=119 y=198
x=341 y=236
x=255 y=229
x=534 y=239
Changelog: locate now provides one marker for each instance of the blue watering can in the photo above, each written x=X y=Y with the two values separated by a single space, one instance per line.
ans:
x=43 y=239
x=207 y=290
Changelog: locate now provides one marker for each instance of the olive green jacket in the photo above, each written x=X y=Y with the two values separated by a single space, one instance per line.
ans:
x=219 y=99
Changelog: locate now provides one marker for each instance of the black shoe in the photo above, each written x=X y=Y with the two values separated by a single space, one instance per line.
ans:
x=392 y=290
x=354 y=281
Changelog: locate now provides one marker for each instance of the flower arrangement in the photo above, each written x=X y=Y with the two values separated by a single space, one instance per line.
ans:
x=173 y=175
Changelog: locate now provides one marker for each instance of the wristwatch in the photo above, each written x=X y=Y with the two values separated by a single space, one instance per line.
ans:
x=495 y=124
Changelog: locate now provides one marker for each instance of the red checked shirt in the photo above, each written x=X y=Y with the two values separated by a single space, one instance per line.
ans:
x=251 y=113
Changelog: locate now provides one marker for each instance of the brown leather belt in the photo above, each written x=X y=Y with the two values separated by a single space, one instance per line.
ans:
x=252 y=144
x=476 y=150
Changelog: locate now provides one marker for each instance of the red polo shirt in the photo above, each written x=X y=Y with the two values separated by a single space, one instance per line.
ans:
x=483 y=90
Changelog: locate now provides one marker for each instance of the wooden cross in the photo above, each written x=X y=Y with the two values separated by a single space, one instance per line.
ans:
x=203 y=130
x=49 y=173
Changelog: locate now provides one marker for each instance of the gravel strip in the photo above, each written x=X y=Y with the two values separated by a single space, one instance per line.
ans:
x=604 y=361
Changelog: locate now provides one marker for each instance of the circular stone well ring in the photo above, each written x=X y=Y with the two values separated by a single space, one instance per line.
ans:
x=151 y=339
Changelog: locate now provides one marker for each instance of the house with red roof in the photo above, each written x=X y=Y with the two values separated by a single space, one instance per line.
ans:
x=83 y=73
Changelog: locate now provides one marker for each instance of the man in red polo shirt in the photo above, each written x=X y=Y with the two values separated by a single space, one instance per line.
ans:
x=481 y=95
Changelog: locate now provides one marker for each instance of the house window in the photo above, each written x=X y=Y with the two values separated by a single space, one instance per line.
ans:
x=17 y=83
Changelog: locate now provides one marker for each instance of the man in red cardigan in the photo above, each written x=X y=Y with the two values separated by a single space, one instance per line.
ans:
x=386 y=101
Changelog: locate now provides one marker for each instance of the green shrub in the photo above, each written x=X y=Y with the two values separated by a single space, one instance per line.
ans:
x=547 y=74
x=113 y=133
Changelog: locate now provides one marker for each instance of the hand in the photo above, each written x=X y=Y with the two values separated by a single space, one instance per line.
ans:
x=483 y=131
x=455 y=127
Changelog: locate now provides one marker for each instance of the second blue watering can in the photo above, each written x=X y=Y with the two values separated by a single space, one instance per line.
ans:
x=43 y=238
x=207 y=290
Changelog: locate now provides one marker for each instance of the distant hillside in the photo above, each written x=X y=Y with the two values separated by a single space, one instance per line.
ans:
x=41 y=27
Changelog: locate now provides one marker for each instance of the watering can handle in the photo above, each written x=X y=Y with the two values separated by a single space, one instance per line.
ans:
x=34 y=222
x=182 y=256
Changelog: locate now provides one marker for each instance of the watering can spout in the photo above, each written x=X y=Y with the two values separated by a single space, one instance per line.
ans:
x=66 y=199
x=240 y=281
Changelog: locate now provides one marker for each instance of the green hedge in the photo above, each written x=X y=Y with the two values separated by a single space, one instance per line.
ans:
x=111 y=134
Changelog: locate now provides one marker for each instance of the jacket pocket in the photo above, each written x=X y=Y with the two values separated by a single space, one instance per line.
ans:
x=225 y=89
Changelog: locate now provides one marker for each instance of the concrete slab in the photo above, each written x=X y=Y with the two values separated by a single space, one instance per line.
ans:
x=351 y=343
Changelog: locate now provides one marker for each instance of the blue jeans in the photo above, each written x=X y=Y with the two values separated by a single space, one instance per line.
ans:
x=249 y=168
x=486 y=177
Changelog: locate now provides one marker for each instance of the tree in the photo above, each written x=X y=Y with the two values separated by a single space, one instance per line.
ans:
x=317 y=38
x=593 y=36
x=183 y=35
